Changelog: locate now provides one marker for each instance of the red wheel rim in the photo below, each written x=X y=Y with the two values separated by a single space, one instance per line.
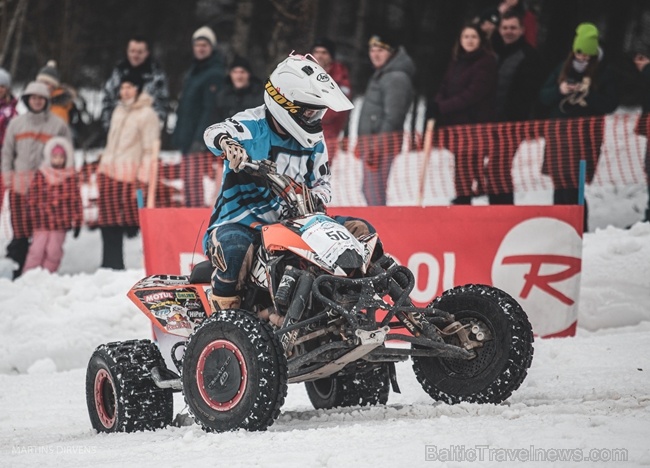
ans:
x=103 y=382
x=219 y=346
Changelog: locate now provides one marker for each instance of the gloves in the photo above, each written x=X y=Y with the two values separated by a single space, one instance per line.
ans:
x=76 y=231
x=234 y=153
x=317 y=202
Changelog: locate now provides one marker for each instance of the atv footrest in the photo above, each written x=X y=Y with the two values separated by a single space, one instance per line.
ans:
x=164 y=378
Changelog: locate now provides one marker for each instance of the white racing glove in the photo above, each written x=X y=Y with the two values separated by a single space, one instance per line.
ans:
x=234 y=153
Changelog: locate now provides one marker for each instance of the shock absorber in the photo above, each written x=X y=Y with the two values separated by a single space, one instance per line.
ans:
x=296 y=309
x=286 y=287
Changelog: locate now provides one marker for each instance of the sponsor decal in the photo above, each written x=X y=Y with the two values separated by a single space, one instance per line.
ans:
x=323 y=77
x=158 y=296
x=163 y=304
x=542 y=272
x=280 y=99
x=184 y=295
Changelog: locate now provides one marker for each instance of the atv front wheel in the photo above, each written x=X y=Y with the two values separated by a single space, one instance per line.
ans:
x=120 y=393
x=501 y=363
x=365 y=388
x=234 y=373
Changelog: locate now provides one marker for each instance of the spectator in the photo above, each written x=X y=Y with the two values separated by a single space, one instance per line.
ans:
x=324 y=51
x=388 y=97
x=488 y=21
x=529 y=18
x=22 y=154
x=125 y=166
x=196 y=109
x=7 y=112
x=642 y=62
x=582 y=86
x=138 y=61
x=54 y=201
x=467 y=96
x=518 y=85
x=61 y=96
x=242 y=90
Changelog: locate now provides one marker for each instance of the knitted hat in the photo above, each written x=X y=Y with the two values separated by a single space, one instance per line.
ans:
x=384 y=41
x=641 y=47
x=134 y=78
x=240 y=62
x=5 y=78
x=49 y=74
x=491 y=14
x=326 y=44
x=204 y=32
x=586 y=41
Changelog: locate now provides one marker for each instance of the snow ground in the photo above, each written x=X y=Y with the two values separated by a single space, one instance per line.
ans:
x=589 y=394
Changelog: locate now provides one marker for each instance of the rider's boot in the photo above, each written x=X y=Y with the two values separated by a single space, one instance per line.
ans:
x=223 y=303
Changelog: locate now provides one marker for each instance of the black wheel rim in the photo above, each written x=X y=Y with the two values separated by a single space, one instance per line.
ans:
x=324 y=387
x=484 y=354
x=105 y=400
x=221 y=375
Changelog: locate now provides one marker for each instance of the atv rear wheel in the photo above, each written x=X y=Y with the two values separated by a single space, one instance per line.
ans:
x=120 y=393
x=234 y=373
x=365 y=388
x=501 y=363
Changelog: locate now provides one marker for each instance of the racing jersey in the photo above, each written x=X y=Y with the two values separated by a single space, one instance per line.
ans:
x=245 y=199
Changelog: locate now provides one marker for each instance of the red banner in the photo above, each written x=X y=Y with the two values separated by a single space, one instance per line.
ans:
x=532 y=252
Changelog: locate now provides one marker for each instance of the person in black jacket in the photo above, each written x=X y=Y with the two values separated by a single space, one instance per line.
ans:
x=582 y=86
x=642 y=62
x=518 y=85
x=467 y=96
x=242 y=90
x=196 y=112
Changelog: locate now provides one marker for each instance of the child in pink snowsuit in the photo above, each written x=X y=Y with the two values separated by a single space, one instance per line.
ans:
x=55 y=206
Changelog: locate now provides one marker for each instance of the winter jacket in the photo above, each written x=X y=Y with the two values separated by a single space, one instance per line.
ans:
x=231 y=100
x=54 y=198
x=134 y=131
x=643 y=125
x=247 y=200
x=7 y=112
x=518 y=81
x=334 y=122
x=388 y=96
x=155 y=85
x=22 y=150
x=601 y=99
x=62 y=103
x=197 y=102
x=468 y=90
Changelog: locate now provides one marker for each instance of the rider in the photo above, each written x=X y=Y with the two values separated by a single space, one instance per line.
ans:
x=287 y=130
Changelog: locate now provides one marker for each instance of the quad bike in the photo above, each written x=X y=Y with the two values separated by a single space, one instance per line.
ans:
x=319 y=307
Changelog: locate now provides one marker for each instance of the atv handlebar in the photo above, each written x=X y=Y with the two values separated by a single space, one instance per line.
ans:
x=297 y=197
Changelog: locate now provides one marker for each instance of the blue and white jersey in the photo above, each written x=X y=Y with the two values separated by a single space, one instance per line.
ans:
x=245 y=199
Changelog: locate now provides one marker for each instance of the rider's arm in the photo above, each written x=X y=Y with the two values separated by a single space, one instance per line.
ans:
x=318 y=179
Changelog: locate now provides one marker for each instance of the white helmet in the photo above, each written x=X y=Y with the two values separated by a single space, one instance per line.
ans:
x=298 y=93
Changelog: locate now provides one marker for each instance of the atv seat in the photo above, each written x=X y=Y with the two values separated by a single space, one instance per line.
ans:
x=201 y=273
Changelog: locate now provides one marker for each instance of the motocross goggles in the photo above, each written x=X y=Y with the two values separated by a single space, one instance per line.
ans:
x=307 y=116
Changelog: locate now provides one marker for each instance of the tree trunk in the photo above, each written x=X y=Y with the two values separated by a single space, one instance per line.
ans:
x=19 y=39
x=240 y=37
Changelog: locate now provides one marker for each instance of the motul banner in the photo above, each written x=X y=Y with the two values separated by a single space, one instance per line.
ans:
x=532 y=252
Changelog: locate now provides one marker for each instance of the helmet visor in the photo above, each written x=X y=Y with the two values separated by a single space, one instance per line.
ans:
x=309 y=116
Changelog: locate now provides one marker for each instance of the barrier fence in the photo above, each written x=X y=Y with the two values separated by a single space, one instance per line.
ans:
x=432 y=169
